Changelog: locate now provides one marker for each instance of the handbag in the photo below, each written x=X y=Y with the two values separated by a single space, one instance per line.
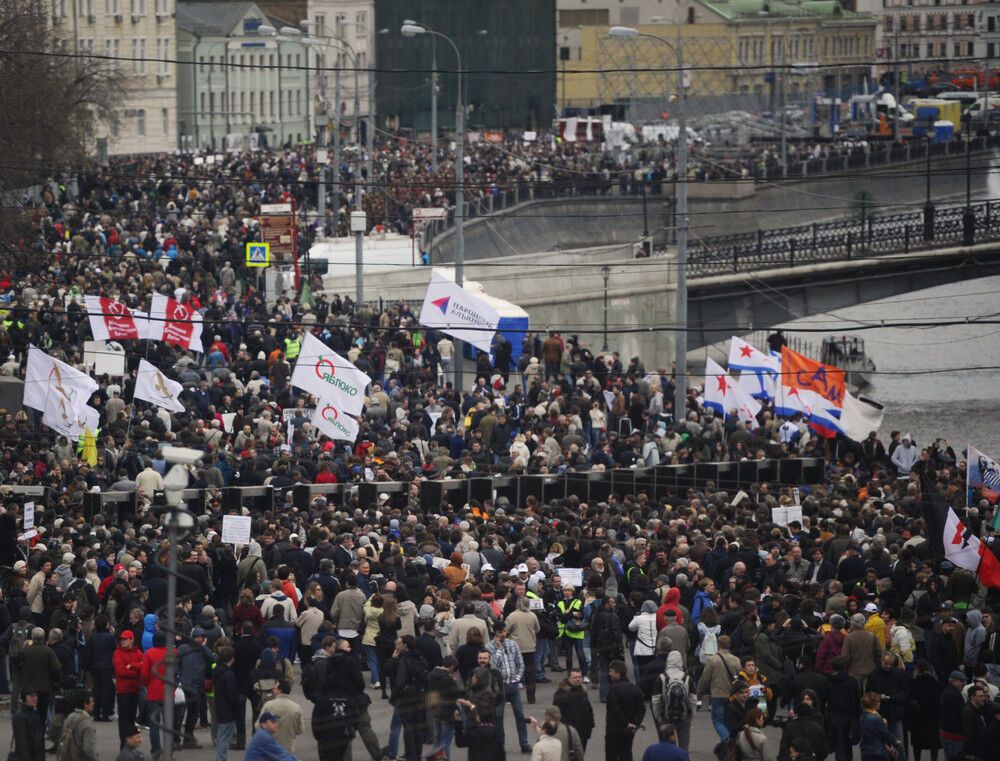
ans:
x=179 y=697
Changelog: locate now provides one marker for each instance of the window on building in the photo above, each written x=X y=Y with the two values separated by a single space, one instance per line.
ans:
x=320 y=22
x=140 y=122
x=165 y=120
x=583 y=17
x=163 y=64
x=253 y=101
x=360 y=24
x=970 y=48
x=989 y=49
x=930 y=49
x=271 y=101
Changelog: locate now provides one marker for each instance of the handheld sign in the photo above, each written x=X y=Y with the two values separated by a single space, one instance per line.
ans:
x=29 y=515
x=236 y=529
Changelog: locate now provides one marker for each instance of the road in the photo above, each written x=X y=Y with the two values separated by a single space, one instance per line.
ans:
x=703 y=737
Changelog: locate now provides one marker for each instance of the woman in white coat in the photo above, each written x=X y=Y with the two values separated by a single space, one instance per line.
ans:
x=644 y=628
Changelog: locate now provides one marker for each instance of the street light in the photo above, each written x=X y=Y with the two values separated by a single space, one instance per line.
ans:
x=606 y=271
x=291 y=31
x=968 y=216
x=680 y=344
x=929 y=204
x=409 y=29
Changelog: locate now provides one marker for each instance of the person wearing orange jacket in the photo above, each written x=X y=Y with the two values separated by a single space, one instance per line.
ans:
x=128 y=679
x=153 y=672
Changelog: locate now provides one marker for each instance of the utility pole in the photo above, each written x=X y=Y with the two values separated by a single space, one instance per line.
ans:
x=434 y=108
x=336 y=151
x=606 y=272
x=896 y=88
x=680 y=375
x=459 y=212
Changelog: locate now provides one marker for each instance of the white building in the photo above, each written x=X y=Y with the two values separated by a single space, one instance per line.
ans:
x=349 y=21
x=238 y=82
x=131 y=30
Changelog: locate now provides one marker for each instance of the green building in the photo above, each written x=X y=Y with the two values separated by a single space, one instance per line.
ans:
x=508 y=54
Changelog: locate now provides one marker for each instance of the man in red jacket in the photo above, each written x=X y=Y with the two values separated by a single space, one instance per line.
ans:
x=128 y=678
x=153 y=671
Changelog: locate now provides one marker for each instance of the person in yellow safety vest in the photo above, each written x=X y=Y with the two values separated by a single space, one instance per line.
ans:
x=293 y=345
x=573 y=628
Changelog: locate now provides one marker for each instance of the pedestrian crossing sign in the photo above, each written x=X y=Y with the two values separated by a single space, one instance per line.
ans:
x=258 y=254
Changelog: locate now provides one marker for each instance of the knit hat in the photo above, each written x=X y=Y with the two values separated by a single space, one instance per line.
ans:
x=858 y=620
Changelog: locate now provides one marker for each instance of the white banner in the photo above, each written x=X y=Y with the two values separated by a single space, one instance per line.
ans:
x=112 y=320
x=72 y=424
x=453 y=310
x=860 y=416
x=175 y=323
x=336 y=424
x=329 y=377
x=29 y=515
x=153 y=386
x=47 y=374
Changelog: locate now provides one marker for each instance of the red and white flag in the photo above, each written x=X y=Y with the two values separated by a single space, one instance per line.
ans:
x=111 y=320
x=175 y=323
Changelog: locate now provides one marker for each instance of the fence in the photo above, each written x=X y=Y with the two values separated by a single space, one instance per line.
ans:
x=838 y=241
x=664 y=481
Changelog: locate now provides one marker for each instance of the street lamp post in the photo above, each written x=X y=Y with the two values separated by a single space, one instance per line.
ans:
x=968 y=216
x=929 y=204
x=680 y=343
x=412 y=30
x=606 y=271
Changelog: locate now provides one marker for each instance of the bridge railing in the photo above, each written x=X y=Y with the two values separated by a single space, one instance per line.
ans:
x=837 y=241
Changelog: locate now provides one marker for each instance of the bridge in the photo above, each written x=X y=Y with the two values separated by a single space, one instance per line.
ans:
x=759 y=278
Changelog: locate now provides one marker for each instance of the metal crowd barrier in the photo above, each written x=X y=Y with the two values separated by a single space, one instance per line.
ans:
x=661 y=482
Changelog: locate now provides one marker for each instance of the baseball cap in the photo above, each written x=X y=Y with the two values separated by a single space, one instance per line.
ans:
x=871 y=608
x=957 y=675
x=127 y=634
x=197 y=632
x=267 y=716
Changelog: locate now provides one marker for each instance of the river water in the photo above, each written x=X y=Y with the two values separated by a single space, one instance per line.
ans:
x=962 y=404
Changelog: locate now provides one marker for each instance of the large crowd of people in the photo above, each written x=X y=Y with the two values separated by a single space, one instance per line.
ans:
x=842 y=628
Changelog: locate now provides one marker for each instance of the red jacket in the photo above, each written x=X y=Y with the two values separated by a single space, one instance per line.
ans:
x=128 y=670
x=153 y=670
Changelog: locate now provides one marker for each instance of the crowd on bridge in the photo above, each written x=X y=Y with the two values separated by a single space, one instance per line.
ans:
x=843 y=627
x=403 y=175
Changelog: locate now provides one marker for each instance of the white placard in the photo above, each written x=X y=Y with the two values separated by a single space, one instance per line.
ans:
x=198 y=161
x=572 y=576
x=440 y=563
x=535 y=603
x=27 y=535
x=321 y=156
x=782 y=516
x=106 y=357
x=29 y=515
x=236 y=529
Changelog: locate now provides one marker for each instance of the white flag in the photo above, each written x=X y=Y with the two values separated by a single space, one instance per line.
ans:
x=60 y=418
x=719 y=388
x=451 y=309
x=111 y=320
x=336 y=424
x=153 y=386
x=329 y=377
x=859 y=417
x=747 y=408
x=175 y=323
x=47 y=376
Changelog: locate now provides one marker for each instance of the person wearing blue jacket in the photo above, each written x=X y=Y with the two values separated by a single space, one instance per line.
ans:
x=148 y=629
x=263 y=746
x=877 y=742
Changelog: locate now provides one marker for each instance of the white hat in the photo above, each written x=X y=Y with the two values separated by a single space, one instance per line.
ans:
x=871 y=608
x=523 y=568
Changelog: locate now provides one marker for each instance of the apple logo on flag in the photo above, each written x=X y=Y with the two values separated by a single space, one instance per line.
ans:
x=180 y=312
x=330 y=414
x=116 y=308
x=325 y=375
x=442 y=304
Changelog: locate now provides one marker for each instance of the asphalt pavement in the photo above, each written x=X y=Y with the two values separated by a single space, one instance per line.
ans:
x=703 y=736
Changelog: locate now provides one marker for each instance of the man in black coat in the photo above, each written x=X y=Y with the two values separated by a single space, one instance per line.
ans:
x=29 y=739
x=626 y=710
x=893 y=684
x=571 y=699
x=228 y=702
x=806 y=724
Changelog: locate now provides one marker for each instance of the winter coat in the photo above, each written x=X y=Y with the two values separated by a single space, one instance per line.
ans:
x=128 y=670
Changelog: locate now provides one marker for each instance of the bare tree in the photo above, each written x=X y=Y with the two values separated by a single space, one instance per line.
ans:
x=51 y=104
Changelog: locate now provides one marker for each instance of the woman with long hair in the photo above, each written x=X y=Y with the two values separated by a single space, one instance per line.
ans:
x=389 y=624
x=373 y=609
x=751 y=740
x=246 y=610
x=877 y=742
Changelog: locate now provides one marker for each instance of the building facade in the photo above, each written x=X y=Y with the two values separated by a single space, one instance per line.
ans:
x=736 y=51
x=508 y=58
x=139 y=36
x=918 y=36
x=236 y=86
x=337 y=24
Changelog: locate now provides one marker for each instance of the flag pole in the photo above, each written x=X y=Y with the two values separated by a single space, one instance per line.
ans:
x=131 y=412
x=968 y=486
